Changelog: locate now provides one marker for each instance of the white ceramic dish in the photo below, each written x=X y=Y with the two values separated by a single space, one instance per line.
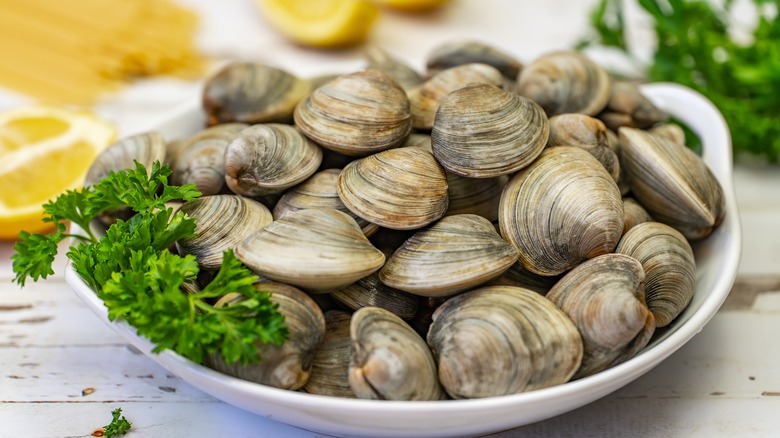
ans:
x=717 y=258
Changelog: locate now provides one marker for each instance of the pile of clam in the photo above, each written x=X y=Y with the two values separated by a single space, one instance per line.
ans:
x=486 y=229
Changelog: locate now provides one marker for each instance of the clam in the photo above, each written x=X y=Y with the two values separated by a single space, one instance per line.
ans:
x=500 y=340
x=466 y=52
x=482 y=131
x=605 y=299
x=454 y=254
x=252 y=93
x=200 y=160
x=474 y=195
x=285 y=366
x=627 y=106
x=518 y=276
x=402 y=188
x=390 y=361
x=319 y=191
x=560 y=211
x=566 y=82
x=146 y=148
x=330 y=366
x=321 y=250
x=270 y=158
x=407 y=77
x=673 y=184
x=587 y=133
x=425 y=99
x=371 y=292
x=221 y=223
x=671 y=131
x=418 y=140
x=634 y=214
x=669 y=265
x=356 y=114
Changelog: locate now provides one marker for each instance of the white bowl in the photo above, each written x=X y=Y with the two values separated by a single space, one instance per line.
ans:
x=716 y=259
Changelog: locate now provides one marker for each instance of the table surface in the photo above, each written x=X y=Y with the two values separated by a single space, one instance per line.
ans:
x=62 y=371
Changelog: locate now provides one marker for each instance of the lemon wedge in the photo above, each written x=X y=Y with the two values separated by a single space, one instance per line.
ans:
x=44 y=151
x=321 y=23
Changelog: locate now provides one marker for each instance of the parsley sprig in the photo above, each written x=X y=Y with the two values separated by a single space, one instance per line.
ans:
x=139 y=280
x=694 y=48
x=118 y=426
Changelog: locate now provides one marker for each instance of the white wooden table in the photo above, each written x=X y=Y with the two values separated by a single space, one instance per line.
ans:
x=62 y=371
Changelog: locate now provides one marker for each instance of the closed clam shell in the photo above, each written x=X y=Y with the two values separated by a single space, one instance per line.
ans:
x=252 y=93
x=454 y=254
x=371 y=292
x=673 y=184
x=466 y=52
x=225 y=132
x=585 y=132
x=221 y=223
x=285 y=366
x=407 y=77
x=500 y=340
x=270 y=158
x=561 y=210
x=634 y=214
x=202 y=164
x=146 y=148
x=319 y=191
x=390 y=361
x=330 y=366
x=671 y=131
x=402 y=188
x=320 y=250
x=605 y=299
x=565 y=82
x=627 y=106
x=425 y=99
x=482 y=131
x=518 y=276
x=356 y=114
x=670 y=268
x=474 y=195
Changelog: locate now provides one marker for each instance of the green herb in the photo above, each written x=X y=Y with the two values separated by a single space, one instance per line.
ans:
x=118 y=426
x=140 y=281
x=695 y=49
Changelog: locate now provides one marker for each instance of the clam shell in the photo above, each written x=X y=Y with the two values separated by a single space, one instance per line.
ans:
x=330 y=366
x=200 y=159
x=356 y=114
x=252 y=93
x=670 y=131
x=319 y=191
x=402 y=188
x=566 y=82
x=669 y=265
x=627 y=106
x=466 y=52
x=576 y=130
x=518 y=276
x=501 y=340
x=321 y=250
x=425 y=100
x=474 y=195
x=482 y=131
x=371 y=292
x=286 y=366
x=146 y=148
x=454 y=254
x=270 y=158
x=673 y=184
x=391 y=361
x=221 y=223
x=407 y=77
x=560 y=211
x=605 y=299
x=634 y=214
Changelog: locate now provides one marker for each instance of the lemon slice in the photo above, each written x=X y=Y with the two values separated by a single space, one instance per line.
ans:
x=413 y=6
x=43 y=152
x=321 y=23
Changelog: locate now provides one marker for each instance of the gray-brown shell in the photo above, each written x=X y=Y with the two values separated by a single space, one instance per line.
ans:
x=319 y=191
x=474 y=195
x=391 y=361
x=518 y=276
x=200 y=159
x=482 y=131
x=501 y=340
x=286 y=366
x=321 y=250
x=634 y=214
x=670 y=268
x=402 y=188
x=455 y=254
x=371 y=292
x=146 y=148
x=671 y=131
x=425 y=100
x=605 y=299
x=627 y=106
x=466 y=52
x=673 y=184
x=407 y=77
x=252 y=93
x=565 y=82
x=561 y=210
x=221 y=223
x=576 y=130
x=270 y=158
x=356 y=114
x=330 y=366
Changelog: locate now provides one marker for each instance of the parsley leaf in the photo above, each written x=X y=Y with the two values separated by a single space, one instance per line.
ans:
x=118 y=426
